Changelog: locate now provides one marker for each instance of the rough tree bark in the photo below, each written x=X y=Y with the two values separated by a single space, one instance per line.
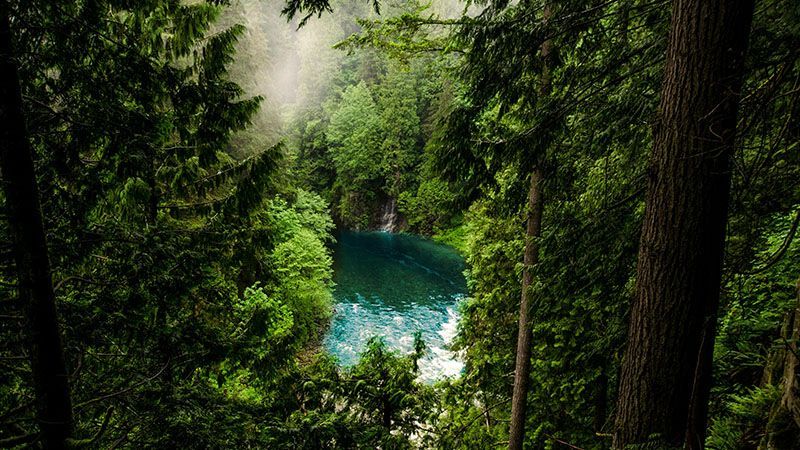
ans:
x=524 y=337
x=783 y=370
x=50 y=380
x=533 y=232
x=666 y=372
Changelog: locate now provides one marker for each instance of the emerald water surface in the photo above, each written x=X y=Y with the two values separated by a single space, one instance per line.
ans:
x=393 y=285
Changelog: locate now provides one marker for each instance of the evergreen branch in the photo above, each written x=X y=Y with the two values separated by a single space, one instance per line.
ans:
x=123 y=391
x=563 y=442
x=14 y=441
x=15 y=410
x=77 y=443
x=787 y=242
x=71 y=278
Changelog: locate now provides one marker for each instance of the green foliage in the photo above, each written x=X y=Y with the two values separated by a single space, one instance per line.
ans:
x=178 y=294
x=429 y=208
x=353 y=135
x=455 y=237
x=265 y=322
x=750 y=347
x=365 y=147
x=386 y=395
x=746 y=419
x=189 y=249
x=400 y=126
x=354 y=140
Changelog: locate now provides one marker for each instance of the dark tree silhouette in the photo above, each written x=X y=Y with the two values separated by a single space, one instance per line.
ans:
x=666 y=373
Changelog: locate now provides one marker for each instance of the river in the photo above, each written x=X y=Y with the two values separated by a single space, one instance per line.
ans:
x=393 y=285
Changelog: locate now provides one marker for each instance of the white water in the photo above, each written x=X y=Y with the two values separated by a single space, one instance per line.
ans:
x=389 y=217
x=443 y=363
x=393 y=286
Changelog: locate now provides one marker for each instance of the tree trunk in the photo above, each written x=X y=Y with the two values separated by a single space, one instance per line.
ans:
x=524 y=336
x=600 y=400
x=533 y=232
x=666 y=373
x=50 y=380
x=783 y=370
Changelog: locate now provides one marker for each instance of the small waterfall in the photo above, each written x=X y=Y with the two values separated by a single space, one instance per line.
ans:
x=389 y=217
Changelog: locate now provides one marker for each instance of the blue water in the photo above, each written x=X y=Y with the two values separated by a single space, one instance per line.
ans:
x=393 y=285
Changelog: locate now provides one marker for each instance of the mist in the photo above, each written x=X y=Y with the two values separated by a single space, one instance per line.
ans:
x=292 y=68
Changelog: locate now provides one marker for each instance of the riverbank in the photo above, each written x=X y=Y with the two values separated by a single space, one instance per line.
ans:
x=455 y=237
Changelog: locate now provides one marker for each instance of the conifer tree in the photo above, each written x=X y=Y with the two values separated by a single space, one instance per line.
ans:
x=666 y=374
x=34 y=280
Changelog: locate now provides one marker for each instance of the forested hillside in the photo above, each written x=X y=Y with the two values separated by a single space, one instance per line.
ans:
x=181 y=180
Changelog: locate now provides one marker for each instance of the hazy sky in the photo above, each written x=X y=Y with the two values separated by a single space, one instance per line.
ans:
x=285 y=65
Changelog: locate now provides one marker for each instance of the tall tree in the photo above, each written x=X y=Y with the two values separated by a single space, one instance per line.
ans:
x=355 y=149
x=524 y=335
x=35 y=285
x=533 y=232
x=666 y=373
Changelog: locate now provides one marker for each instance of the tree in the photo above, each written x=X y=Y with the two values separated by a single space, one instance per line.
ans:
x=533 y=232
x=146 y=212
x=666 y=373
x=355 y=148
x=397 y=103
x=35 y=284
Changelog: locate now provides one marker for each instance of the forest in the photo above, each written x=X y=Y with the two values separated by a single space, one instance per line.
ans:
x=400 y=224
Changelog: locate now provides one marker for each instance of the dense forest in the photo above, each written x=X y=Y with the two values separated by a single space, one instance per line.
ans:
x=621 y=179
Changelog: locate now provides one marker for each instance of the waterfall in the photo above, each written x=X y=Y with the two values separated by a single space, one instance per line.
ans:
x=389 y=217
